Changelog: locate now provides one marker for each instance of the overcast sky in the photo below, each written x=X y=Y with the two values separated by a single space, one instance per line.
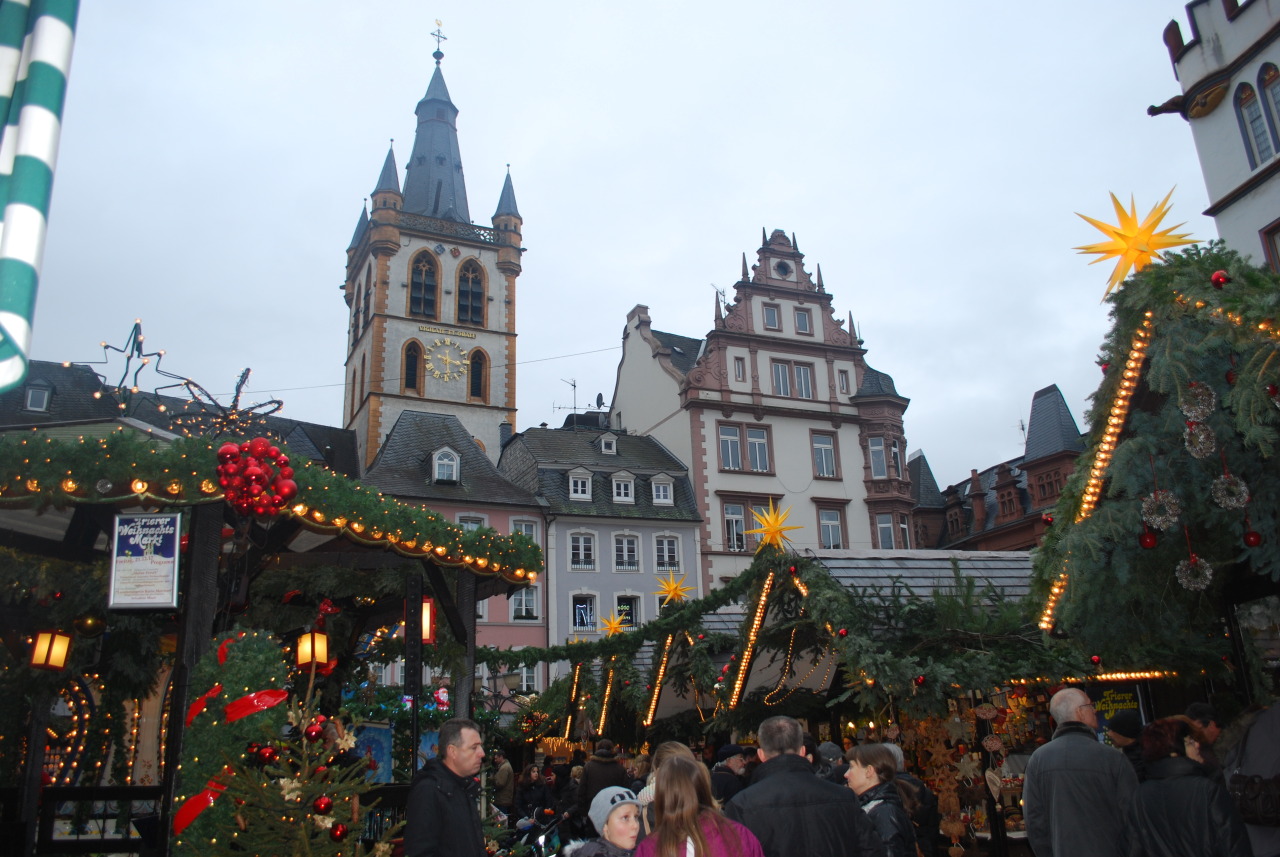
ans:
x=928 y=155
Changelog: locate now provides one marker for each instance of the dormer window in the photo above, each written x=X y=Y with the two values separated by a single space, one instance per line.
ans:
x=445 y=467
x=663 y=493
x=609 y=444
x=580 y=484
x=624 y=488
x=37 y=398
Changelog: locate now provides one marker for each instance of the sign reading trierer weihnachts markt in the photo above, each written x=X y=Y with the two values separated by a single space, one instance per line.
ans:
x=144 y=562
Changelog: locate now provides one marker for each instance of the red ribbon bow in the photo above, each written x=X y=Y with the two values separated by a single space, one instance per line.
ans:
x=253 y=703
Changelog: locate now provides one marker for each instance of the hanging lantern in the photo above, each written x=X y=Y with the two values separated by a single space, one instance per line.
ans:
x=50 y=650
x=428 y=620
x=313 y=647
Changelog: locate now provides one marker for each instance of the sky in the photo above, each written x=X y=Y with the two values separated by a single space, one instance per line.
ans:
x=930 y=156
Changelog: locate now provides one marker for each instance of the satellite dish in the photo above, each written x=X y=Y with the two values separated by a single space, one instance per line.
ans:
x=599 y=400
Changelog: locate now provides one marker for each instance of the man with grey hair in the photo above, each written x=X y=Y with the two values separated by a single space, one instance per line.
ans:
x=926 y=819
x=1077 y=790
x=792 y=812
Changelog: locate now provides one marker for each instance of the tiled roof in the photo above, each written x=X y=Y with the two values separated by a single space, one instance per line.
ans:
x=1051 y=427
x=987 y=479
x=876 y=383
x=924 y=488
x=70 y=400
x=403 y=467
x=507 y=201
x=926 y=571
x=388 y=179
x=684 y=349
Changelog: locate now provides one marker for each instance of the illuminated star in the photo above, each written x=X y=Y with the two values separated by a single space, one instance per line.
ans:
x=613 y=625
x=1132 y=244
x=671 y=589
x=772 y=530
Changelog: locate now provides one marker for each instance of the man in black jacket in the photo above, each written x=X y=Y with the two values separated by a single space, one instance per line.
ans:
x=794 y=813
x=443 y=817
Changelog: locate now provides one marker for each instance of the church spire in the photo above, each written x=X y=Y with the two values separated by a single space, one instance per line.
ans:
x=389 y=178
x=434 y=183
x=507 y=202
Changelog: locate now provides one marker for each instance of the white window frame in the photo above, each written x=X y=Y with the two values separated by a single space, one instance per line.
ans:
x=776 y=310
x=469 y=521
x=664 y=491
x=843 y=376
x=780 y=370
x=823 y=445
x=739 y=368
x=439 y=459
x=735 y=525
x=827 y=524
x=482 y=609
x=876 y=458
x=528 y=680
x=904 y=530
x=884 y=530
x=730 y=446
x=595 y=612
x=637 y=617
x=520 y=604
x=578 y=540
x=663 y=564
x=609 y=444
x=580 y=485
x=805 y=329
x=525 y=527
x=37 y=398
x=624 y=543
x=624 y=489
x=758 y=456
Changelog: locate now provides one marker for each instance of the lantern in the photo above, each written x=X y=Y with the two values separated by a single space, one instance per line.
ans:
x=313 y=648
x=428 y=620
x=51 y=650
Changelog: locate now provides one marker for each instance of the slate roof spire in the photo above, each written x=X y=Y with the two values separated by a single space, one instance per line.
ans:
x=389 y=179
x=507 y=202
x=434 y=184
x=1051 y=427
x=361 y=225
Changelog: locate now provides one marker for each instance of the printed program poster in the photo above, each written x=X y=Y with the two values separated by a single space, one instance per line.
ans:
x=144 y=562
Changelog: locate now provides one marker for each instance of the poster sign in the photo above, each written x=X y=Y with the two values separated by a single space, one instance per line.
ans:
x=144 y=562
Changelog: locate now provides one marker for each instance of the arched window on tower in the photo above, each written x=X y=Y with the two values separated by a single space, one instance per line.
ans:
x=356 y=315
x=368 y=295
x=1253 y=126
x=478 y=377
x=424 y=286
x=412 y=362
x=470 y=294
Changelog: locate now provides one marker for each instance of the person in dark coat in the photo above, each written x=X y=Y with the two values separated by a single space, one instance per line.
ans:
x=726 y=776
x=1251 y=746
x=872 y=775
x=1077 y=791
x=1181 y=810
x=532 y=794
x=442 y=811
x=601 y=770
x=1123 y=730
x=794 y=813
x=925 y=818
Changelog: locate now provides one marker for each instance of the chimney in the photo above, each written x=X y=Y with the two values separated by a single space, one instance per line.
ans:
x=504 y=433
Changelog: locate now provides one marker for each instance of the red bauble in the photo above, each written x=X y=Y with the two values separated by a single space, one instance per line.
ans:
x=322 y=804
x=338 y=832
x=843 y=632
x=314 y=732
x=700 y=637
x=1252 y=538
x=1104 y=367
x=920 y=680
x=1219 y=279
x=1148 y=539
x=1095 y=659
x=268 y=755
x=1231 y=377
x=1273 y=390
x=260 y=447
x=228 y=452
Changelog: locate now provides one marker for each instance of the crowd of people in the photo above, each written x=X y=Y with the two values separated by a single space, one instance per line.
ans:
x=1158 y=792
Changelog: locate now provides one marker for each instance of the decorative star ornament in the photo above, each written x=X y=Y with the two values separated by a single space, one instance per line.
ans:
x=671 y=589
x=772 y=527
x=612 y=625
x=1132 y=244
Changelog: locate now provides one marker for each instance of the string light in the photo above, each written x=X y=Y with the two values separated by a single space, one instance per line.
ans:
x=608 y=694
x=657 y=682
x=749 y=650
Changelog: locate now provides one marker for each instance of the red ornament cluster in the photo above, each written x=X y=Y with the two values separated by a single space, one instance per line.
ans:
x=1219 y=279
x=248 y=474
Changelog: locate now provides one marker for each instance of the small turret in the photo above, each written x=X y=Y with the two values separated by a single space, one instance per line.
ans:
x=507 y=220
x=386 y=194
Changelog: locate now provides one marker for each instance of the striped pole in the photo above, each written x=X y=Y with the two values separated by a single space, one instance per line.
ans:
x=36 y=37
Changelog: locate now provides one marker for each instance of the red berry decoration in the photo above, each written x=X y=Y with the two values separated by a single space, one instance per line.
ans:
x=268 y=755
x=1147 y=540
x=920 y=680
x=1095 y=659
x=322 y=804
x=314 y=732
x=1252 y=538
x=1219 y=279
x=1231 y=377
x=700 y=637
x=338 y=832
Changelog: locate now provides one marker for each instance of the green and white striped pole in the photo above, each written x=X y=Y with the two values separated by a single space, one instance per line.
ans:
x=36 y=37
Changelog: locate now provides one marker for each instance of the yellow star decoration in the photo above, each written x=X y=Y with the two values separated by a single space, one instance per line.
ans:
x=771 y=529
x=671 y=589
x=1132 y=244
x=613 y=625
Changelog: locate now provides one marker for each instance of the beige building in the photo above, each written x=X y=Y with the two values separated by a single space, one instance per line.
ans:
x=432 y=296
x=777 y=404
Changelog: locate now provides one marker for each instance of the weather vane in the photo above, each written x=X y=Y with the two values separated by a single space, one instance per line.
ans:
x=439 y=36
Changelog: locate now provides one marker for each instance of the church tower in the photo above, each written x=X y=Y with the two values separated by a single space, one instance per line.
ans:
x=432 y=296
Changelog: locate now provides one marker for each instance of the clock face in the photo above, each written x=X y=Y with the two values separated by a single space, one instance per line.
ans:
x=445 y=360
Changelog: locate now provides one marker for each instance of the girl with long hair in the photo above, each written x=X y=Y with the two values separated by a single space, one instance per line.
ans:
x=689 y=824
x=888 y=801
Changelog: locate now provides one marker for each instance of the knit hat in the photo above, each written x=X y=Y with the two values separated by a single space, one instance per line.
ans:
x=1126 y=722
x=830 y=751
x=728 y=751
x=604 y=803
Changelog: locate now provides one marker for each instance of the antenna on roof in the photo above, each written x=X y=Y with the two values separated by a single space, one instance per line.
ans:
x=719 y=291
x=1023 y=427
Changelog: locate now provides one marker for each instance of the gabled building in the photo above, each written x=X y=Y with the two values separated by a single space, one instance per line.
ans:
x=621 y=516
x=1229 y=71
x=775 y=405
x=1002 y=508
x=432 y=296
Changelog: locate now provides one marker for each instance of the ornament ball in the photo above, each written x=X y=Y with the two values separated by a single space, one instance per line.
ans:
x=314 y=732
x=1273 y=390
x=267 y=755
x=338 y=832
x=1252 y=538
x=1219 y=279
x=322 y=804
x=1147 y=540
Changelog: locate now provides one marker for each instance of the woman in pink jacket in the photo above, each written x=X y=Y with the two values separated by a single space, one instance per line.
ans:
x=688 y=822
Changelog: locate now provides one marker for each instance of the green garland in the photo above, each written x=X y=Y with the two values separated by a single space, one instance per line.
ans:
x=1124 y=602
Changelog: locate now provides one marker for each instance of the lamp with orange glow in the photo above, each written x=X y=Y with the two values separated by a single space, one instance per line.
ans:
x=50 y=650
x=313 y=648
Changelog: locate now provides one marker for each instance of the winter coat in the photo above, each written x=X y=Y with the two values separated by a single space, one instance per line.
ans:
x=504 y=785
x=1262 y=756
x=1076 y=795
x=531 y=797
x=598 y=773
x=883 y=805
x=926 y=819
x=595 y=848
x=1180 y=810
x=719 y=844
x=443 y=819
x=725 y=783
x=795 y=814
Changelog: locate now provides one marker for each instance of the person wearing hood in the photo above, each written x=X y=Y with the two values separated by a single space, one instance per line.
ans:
x=887 y=801
x=601 y=771
x=1123 y=730
x=616 y=814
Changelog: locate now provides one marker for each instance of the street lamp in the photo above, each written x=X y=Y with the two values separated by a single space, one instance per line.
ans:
x=50 y=650
x=313 y=648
